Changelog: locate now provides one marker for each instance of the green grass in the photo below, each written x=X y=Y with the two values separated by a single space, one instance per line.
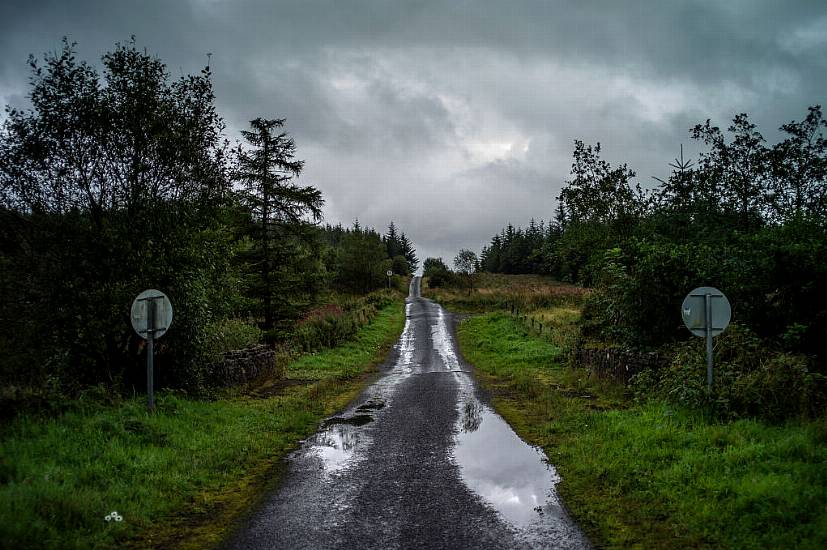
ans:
x=644 y=474
x=349 y=358
x=178 y=477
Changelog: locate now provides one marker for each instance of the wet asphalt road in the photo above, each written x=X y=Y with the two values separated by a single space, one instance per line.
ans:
x=419 y=460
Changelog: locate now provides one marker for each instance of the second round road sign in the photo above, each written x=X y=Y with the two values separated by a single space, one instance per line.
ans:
x=693 y=311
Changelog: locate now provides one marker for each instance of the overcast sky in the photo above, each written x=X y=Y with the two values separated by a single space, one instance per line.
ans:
x=455 y=118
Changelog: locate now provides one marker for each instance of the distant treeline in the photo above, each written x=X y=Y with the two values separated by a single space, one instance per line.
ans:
x=747 y=217
x=121 y=180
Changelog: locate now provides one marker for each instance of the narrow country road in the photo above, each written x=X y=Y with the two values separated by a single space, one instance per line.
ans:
x=419 y=460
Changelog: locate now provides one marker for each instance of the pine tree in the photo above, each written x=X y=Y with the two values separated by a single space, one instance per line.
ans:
x=274 y=201
x=408 y=252
x=391 y=240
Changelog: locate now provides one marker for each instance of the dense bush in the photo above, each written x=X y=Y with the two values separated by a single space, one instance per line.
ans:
x=772 y=278
x=749 y=379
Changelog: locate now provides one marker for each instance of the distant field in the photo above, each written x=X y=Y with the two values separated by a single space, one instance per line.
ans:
x=645 y=474
x=495 y=291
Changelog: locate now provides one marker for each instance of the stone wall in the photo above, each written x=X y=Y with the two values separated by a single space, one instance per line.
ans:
x=241 y=366
x=618 y=364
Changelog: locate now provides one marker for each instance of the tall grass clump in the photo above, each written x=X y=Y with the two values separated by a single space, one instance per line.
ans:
x=230 y=334
x=333 y=324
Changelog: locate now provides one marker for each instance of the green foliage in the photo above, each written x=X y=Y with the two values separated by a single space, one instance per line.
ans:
x=328 y=331
x=368 y=345
x=357 y=258
x=771 y=276
x=278 y=210
x=60 y=476
x=516 y=250
x=399 y=265
x=111 y=183
x=749 y=380
x=400 y=250
x=437 y=273
x=598 y=193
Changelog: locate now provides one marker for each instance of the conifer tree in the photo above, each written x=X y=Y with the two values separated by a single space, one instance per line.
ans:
x=275 y=202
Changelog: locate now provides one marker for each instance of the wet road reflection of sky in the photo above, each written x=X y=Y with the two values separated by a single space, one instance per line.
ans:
x=335 y=446
x=506 y=472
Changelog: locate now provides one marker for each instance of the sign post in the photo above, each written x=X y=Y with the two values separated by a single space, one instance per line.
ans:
x=389 y=273
x=706 y=312
x=151 y=316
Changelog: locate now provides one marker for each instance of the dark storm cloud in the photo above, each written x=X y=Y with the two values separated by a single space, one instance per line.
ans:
x=454 y=118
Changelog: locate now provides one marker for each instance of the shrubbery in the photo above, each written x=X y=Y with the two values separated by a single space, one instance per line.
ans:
x=749 y=379
x=438 y=273
x=772 y=278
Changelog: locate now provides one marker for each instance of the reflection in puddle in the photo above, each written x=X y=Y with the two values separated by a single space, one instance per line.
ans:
x=471 y=415
x=355 y=420
x=335 y=446
x=506 y=472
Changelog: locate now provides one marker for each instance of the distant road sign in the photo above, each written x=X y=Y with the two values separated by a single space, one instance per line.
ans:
x=693 y=311
x=389 y=273
x=147 y=302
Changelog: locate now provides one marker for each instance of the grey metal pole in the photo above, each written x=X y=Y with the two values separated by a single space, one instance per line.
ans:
x=150 y=389
x=708 y=313
x=150 y=329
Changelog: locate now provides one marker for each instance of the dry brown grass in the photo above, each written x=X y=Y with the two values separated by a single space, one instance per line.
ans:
x=493 y=291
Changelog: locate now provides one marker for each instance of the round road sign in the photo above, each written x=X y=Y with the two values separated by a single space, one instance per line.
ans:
x=693 y=311
x=155 y=302
x=389 y=273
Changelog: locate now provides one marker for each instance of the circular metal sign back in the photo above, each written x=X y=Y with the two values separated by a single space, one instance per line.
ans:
x=151 y=301
x=693 y=311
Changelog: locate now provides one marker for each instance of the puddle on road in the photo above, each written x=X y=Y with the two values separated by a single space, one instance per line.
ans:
x=370 y=406
x=335 y=445
x=355 y=420
x=506 y=472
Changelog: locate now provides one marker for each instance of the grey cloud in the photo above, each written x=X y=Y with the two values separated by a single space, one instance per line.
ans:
x=454 y=118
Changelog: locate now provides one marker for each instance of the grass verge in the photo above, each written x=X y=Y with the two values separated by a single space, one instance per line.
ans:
x=180 y=477
x=647 y=475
